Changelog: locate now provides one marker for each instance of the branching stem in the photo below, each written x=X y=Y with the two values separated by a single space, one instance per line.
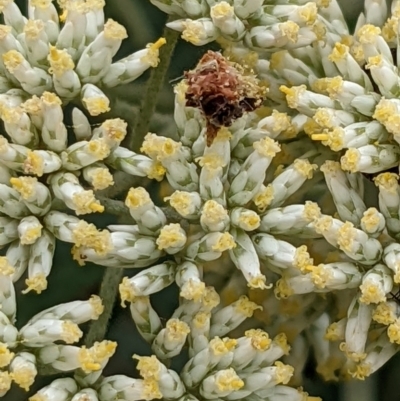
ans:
x=154 y=86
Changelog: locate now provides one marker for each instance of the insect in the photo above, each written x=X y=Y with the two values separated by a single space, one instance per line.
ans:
x=221 y=90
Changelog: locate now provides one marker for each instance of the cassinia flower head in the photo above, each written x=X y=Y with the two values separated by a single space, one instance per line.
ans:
x=331 y=105
x=265 y=217
x=48 y=61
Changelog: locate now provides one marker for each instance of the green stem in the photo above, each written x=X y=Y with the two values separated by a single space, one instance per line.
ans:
x=154 y=86
x=108 y=293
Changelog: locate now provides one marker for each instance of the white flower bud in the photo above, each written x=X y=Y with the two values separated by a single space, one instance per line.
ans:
x=46 y=331
x=145 y=317
x=13 y=16
x=170 y=340
x=39 y=162
x=359 y=317
x=320 y=278
x=18 y=256
x=86 y=394
x=61 y=357
x=181 y=174
x=188 y=278
x=12 y=155
x=72 y=35
x=292 y=219
x=348 y=66
x=246 y=219
x=376 y=284
x=40 y=262
x=348 y=201
x=147 y=282
x=355 y=243
x=229 y=317
x=290 y=180
x=211 y=175
x=113 y=131
x=373 y=222
x=245 y=258
x=35 y=195
x=389 y=200
x=95 y=20
x=119 y=249
x=198 y=32
x=129 y=68
x=172 y=238
x=187 y=204
x=81 y=125
x=224 y=18
x=5 y=175
x=29 y=230
x=247 y=8
x=206 y=360
x=99 y=176
x=210 y=246
x=17 y=125
x=76 y=311
x=94 y=100
x=214 y=217
x=10 y=204
x=96 y=58
x=248 y=347
x=61 y=225
x=187 y=119
x=36 y=42
x=221 y=384
x=47 y=12
x=33 y=80
x=66 y=186
x=8 y=332
x=170 y=385
x=252 y=173
x=135 y=164
x=84 y=153
x=54 y=132
x=126 y=388
x=150 y=218
x=280 y=253
x=58 y=390
x=370 y=158
x=8 y=230
x=7 y=291
x=23 y=370
x=199 y=333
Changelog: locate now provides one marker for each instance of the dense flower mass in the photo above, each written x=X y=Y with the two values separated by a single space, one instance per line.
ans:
x=47 y=62
x=283 y=140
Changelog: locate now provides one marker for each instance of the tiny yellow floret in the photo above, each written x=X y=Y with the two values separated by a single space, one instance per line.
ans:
x=71 y=333
x=171 y=236
x=113 y=30
x=152 y=56
x=37 y=283
x=225 y=241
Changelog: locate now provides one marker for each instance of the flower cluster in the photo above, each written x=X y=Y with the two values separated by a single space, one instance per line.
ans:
x=218 y=367
x=255 y=24
x=327 y=87
x=47 y=62
x=36 y=345
x=263 y=219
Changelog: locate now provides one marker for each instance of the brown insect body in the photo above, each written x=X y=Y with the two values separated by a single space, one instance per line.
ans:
x=220 y=90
